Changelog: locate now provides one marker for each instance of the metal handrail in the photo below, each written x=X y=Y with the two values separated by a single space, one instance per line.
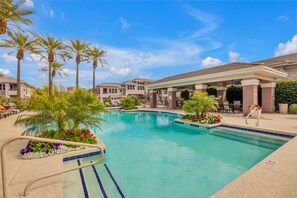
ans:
x=258 y=116
x=27 y=188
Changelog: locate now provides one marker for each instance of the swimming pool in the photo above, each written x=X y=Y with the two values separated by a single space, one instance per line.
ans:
x=152 y=156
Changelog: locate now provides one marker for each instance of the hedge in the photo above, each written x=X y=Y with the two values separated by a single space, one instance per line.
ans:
x=286 y=92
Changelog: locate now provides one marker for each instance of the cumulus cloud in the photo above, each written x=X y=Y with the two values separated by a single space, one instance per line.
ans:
x=211 y=62
x=287 y=48
x=123 y=71
x=234 y=56
x=29 y=3
x=124 y=23
x=4 y=71
x=8 y=58
x=283 y=18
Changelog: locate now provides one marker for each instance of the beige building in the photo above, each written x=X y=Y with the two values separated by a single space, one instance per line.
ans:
x=249 y=75
x=116 y=91
x=8 y=88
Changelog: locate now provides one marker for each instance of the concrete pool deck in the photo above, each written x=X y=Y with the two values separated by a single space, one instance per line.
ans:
x=262 y=180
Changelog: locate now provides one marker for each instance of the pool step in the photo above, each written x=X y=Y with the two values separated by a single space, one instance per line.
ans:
x=247 y=138
x=100 y=182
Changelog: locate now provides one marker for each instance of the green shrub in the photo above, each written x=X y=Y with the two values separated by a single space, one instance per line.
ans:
x=234 y=93
x=212 y=91
x=286 y=92
x=61 y=112
x=128 y=103
x=293 y=108
x=185 y=94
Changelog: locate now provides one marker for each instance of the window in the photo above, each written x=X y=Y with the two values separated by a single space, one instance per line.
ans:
x=116 y=90
x=104 y=91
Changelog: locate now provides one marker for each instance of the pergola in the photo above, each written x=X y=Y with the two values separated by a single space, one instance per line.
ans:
x=249 y=75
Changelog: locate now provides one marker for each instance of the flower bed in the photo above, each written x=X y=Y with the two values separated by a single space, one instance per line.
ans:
x=205 y=119
x=36 y=149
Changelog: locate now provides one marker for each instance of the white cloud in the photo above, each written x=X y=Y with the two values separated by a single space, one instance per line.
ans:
x=211 y=62
x=210 y=21
x=283 y=18
x=48 y=11
x=234 y=56
x=123 y=71
x=4 y=71
x=29 y=3
x=287 y=48
x=8 y=58
x=124 y=23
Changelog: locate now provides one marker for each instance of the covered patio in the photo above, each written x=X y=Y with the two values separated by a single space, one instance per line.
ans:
x=248 y=75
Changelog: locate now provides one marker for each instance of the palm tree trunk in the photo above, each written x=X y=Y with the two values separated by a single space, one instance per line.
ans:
x=19 y=79
x=94 y=79
x=76 y=75
x=50 y=86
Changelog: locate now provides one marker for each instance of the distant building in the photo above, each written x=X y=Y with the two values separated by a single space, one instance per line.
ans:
x=8 y=88
x=116 y=91
x=70 y=89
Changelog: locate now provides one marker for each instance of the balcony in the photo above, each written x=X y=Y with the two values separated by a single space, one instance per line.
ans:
x=12 y=92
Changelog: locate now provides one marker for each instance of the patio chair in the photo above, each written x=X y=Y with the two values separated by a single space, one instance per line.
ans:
x=237 y=105
x=227 y=108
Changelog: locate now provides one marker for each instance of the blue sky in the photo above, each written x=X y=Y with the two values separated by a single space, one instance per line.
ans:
x=155 y=39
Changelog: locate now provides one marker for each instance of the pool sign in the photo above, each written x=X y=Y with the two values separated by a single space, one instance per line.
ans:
x=271 y=162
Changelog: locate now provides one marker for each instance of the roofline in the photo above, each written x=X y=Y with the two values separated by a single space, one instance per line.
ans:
x=248 y=72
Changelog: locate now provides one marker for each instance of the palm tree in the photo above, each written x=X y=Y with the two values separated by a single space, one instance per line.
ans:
x=57 y=68
x=78 y=48
x=200 y=103
x=13 y=13
x=20 y=43
x=50 y=48
x=95 y=54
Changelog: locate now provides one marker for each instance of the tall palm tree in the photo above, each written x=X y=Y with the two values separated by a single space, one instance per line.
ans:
x=79 y=48
x=57 y=68
x=20 y=43
x=13 y=13
x=49 y=48
x=95 y=54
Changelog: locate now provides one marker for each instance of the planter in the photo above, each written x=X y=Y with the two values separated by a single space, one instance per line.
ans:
x=283 y=108
x=255 y=114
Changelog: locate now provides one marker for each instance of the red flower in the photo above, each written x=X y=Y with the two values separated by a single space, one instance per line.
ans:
x=82 y=136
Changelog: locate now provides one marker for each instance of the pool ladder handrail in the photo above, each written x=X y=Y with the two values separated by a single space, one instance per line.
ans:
x=258 y=116
x=27 y=188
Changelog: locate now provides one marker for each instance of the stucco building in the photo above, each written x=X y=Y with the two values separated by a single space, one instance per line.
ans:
x=115 y=91
x=8 y=88
x=250 y=75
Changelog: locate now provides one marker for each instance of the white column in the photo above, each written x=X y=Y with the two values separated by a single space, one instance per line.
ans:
x=172 y=98
x=249 y=94
x=7 y=87
x=268 y=97
x=221 y=93
x=101 y=94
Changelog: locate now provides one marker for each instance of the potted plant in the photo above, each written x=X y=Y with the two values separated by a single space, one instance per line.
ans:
x=283 y=108
x=257 y=113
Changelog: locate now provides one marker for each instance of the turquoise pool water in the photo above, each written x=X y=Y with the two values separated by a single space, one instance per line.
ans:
x=152 y=157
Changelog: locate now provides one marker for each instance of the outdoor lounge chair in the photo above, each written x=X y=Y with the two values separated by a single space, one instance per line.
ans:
x=237 y=106
x=227 y=108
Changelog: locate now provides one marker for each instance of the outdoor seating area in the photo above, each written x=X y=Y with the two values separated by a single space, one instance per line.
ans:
x=226 y=107
x=8 y=109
